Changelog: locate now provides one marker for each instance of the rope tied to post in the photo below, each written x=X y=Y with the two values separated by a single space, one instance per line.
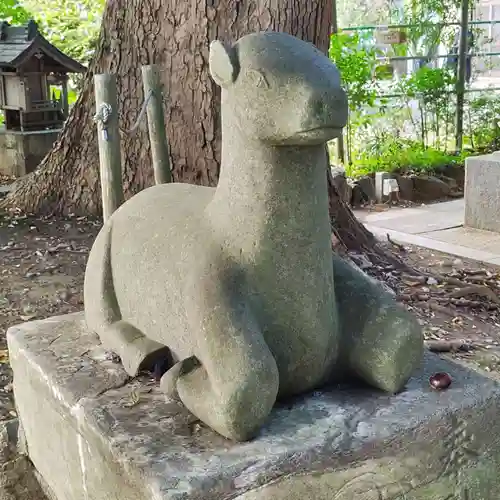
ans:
x=105 y=110
x=102 y=117
x=103 y=113
x=135 y=126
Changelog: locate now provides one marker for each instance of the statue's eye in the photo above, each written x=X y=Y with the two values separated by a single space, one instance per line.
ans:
x=259 y=79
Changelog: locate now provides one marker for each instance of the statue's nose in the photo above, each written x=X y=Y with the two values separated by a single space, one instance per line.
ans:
x=330 y=106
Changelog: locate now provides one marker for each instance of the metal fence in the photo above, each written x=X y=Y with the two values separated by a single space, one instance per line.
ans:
x=466 y=59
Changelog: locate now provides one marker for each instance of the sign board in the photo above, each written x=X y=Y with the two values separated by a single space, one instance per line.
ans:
x=390 y=37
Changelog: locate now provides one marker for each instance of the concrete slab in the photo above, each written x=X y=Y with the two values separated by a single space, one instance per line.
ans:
x=420 y=223
x=435 y=244
x=483 y=240
x=437 y=227
x=93 y=434
x=482 y=192
x=417 y=220
x=455 y=207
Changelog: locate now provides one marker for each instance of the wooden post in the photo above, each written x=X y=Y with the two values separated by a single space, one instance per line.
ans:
x=156 y=125
x=462 y=62
x=340 y=140
x=109 y=143
x=64 y=96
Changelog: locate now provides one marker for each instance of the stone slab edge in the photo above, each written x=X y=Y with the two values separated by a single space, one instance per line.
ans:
x=166 y=454
x=420 y=240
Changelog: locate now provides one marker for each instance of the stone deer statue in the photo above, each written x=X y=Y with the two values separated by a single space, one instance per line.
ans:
x=238 y=284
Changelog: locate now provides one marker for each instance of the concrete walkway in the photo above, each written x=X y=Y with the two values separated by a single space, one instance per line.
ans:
x=437 y=227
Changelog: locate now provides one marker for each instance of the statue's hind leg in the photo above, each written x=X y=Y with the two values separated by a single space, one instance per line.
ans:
x=135 y=350
x=232 y=383
x=102 y=312
x=381 y=342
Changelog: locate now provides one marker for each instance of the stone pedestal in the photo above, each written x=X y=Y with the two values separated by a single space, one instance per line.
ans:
x=482 y=192
x=22 y=152
x=93 y=434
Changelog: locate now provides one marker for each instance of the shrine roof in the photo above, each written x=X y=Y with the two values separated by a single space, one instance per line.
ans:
x=18 y=44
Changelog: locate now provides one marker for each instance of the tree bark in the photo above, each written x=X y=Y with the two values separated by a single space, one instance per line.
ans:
x=175 y=36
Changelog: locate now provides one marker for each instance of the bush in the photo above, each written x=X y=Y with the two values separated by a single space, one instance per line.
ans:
x=404 y=156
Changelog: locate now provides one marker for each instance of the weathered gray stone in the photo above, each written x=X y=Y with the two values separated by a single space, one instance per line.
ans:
x=18 y=477
x=406 y=191
x=22 y=151
x=340 y=182
x=367 y=185
x=377 y=334
x=482 y=192
x=430 y=188
x=238 y=281
x=238 y=278
x=93 y=434
x=358 y=197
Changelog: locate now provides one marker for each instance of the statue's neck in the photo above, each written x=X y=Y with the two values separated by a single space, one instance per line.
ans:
x=256 y=176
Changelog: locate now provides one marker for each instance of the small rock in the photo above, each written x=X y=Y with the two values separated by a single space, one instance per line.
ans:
x=432 y=281
x=429 y=188
x=339 y=180
x=358 y=197
x=27 y=317
x=406 y=187
x=367 y=185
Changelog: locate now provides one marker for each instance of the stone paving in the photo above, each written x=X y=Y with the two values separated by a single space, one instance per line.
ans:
x=437 y=227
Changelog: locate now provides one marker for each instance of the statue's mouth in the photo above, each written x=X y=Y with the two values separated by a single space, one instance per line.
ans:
x=322 y=133
x=311 y=136
x=322 y=128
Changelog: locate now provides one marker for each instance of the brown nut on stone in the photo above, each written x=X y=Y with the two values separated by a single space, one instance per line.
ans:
x=440 y=381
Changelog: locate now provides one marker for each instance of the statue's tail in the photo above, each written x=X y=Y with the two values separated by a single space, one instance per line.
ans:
x=101 y=305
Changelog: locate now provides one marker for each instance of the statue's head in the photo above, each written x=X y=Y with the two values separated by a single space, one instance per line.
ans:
x=279 y=89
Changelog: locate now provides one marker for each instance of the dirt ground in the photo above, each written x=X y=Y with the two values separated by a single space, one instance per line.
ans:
x=42 y=263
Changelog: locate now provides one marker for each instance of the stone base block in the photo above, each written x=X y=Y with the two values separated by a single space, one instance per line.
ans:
x=22 y=152
x=482 y=192
x=93 y=434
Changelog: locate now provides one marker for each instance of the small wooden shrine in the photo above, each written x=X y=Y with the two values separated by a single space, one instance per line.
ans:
x=33 y=79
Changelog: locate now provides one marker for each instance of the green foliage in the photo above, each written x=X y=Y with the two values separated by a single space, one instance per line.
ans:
x=356 y=62
x=427 y=18
x=414 y=131
x=402 y=156
x=432 y=88
x=13 y=12
x=72 y=95
x=482 y=121
x=428 y=84
x=71 y=26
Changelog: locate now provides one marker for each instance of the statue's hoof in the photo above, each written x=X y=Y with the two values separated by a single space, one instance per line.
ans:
x=168 y=382
x=144 y=354
x=389 y=350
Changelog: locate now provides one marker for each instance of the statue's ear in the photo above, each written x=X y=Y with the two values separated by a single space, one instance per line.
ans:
x=222 y=63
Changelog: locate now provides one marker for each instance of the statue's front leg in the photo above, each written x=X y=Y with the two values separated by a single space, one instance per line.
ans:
x=381 y=342
x=231 y=382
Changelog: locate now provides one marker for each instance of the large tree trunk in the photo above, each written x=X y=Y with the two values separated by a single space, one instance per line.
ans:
x=174 y=35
